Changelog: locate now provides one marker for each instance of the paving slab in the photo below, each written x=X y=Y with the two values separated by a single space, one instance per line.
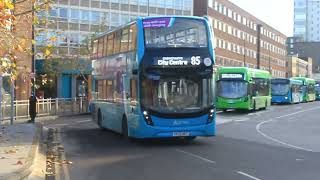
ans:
x=18 y=147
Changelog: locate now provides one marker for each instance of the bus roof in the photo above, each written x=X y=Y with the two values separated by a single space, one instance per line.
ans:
x=143 y=18
x=305 y=80
x=250 y=73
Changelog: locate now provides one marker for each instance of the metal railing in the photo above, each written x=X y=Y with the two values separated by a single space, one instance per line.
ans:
x=46 y=107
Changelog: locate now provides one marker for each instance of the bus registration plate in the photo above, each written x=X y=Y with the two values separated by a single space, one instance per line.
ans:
x=179 y=134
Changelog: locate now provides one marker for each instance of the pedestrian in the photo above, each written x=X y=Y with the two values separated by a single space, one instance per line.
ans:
x=32 y=108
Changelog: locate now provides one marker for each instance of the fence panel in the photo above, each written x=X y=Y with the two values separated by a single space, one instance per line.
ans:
x=46 y=107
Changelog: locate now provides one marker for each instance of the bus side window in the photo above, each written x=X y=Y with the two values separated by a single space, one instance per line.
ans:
x=95 y=48
x=133 y=37
x=124 y=40
x=105 y=51
x=100 y=47
x=110 y=44
x=117 y=41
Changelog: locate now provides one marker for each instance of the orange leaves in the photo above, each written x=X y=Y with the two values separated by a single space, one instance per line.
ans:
x=53 y=38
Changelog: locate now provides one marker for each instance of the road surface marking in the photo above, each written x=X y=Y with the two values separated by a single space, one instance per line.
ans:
x=247 y=175
x=59 y=124
x=242 y=120
x=84 y=121
x=196 y=156
x=258 y=129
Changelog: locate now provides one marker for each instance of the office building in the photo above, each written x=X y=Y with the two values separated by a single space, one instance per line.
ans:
x=242 y=39
x=306 y=20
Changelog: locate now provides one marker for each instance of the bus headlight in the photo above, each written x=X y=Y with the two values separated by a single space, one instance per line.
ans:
x=211 y=115
x=286 y=97
x=147 y=118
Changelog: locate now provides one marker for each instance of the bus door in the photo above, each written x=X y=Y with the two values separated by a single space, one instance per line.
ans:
x=131 y=105
x=295 y=94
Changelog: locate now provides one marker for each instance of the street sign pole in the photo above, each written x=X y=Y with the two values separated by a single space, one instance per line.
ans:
x=0 y=100
x=12 y=102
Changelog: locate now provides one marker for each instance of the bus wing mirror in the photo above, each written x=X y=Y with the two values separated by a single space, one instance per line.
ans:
x=135 y=71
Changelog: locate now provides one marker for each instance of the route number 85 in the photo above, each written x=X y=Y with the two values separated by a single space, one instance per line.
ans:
x=195 y=60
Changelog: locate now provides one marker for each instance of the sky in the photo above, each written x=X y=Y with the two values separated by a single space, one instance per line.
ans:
x=276 y=13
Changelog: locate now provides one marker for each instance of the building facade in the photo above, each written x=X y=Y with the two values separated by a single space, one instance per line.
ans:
x=74 y=21
x=243 y=40
x=298 y=67
x=305 y=49
x=306 y=20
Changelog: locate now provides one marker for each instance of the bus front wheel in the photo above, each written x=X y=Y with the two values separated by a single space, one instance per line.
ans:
x=100 y=120
x=189 y=138
x=125 y=127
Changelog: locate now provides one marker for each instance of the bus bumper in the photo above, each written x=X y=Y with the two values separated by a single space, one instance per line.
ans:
x=280 y=99
x=233 y=104
x=148 y=131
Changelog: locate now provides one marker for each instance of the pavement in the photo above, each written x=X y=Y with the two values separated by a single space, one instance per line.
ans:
x=18 y=148
x=281 y=143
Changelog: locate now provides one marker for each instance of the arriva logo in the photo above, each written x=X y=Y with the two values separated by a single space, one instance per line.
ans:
x=179 y=123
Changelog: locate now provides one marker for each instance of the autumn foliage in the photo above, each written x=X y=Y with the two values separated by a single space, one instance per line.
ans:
x=12 y=44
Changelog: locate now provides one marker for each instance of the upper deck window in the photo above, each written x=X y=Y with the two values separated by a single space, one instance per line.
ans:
x=175 y=33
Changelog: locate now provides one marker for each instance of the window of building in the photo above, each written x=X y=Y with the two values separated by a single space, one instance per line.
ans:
x=85 y=15
x=63 y=13
x=74 y=14
x=95 y=17
x=210 y=3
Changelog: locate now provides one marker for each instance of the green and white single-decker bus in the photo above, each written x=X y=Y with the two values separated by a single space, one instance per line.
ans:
x=243 y=88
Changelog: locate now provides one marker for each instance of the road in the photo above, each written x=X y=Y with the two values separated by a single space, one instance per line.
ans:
x=281 y=143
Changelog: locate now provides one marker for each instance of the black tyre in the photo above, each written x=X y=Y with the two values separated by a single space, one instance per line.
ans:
x=266 y=105
x=125 y=128
x=189 y=138
x=100 y=120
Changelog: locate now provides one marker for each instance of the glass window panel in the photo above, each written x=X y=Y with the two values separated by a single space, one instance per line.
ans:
x=124 y=40
x=95 y=17
x=63 y=13
x=133 y=37
x=110 y=44
x=117 y=40
x=85 y=15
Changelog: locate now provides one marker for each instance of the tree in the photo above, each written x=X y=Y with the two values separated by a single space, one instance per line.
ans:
x=17 y=19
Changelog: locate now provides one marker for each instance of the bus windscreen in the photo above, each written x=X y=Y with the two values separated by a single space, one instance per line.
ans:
x=171 y=32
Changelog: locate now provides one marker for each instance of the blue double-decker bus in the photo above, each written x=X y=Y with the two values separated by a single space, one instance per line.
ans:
x=153 y=78
x=286 y=90
x=317 y=87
